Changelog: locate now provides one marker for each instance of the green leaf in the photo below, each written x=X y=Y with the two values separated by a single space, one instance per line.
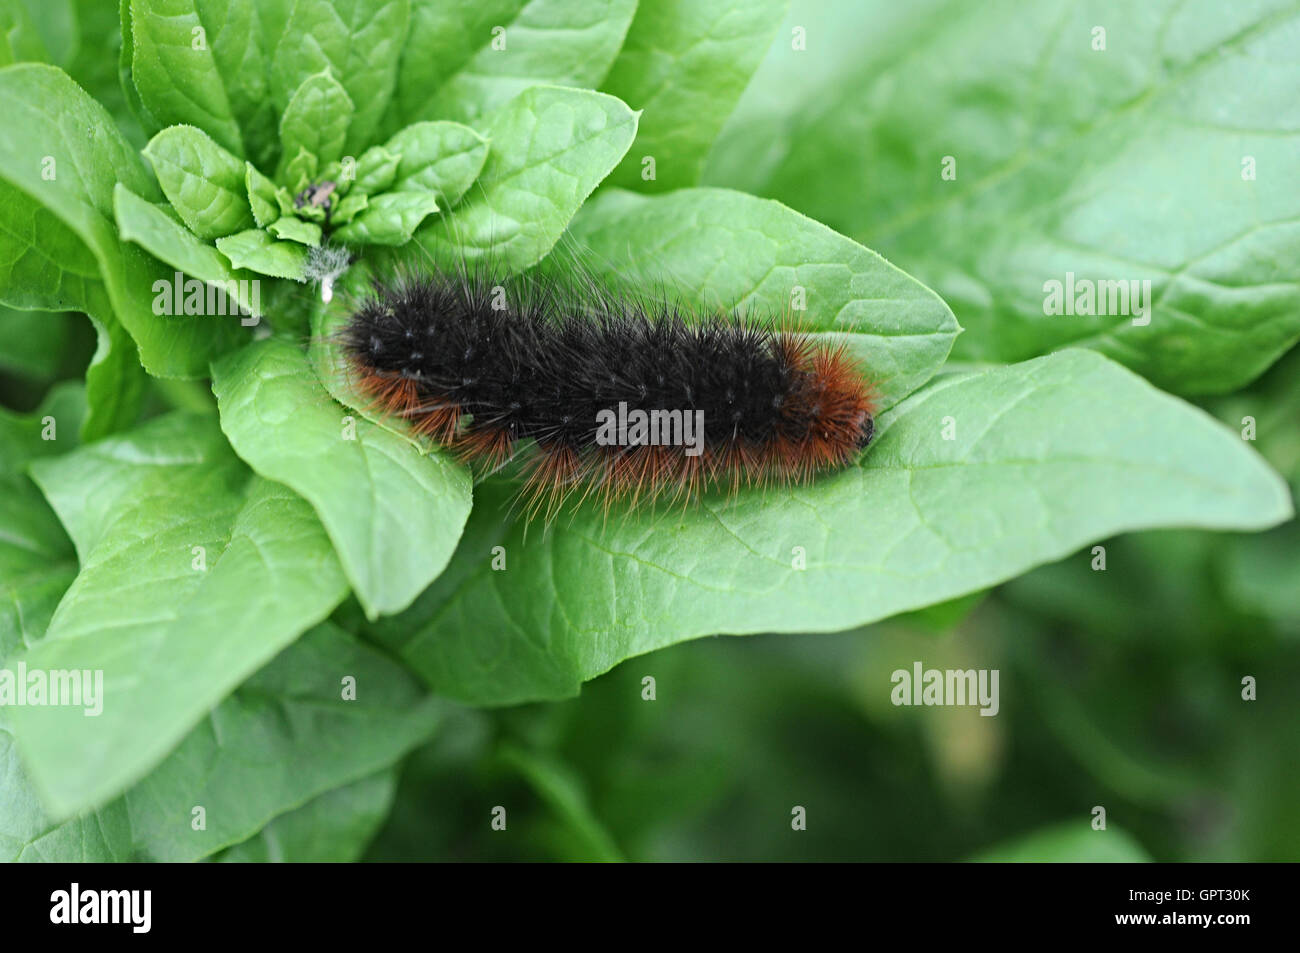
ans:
x=441 y=157
x=175 y=70
x=349 y=208
x=358 y=41
x=92 y=44
x=333 y=828
x=261 y=196
x=19 y=37
x=44 y=265
x=56 y=22
x=389 y=219
x=1158 y=158
x=32 y=343
x=258 y=251
x=243 y=37
x=204 y=63
x=28 y=834
x=394 y=514
x=550 y=148
x=285 y=201
x=204 y=183
x=330 y=363
x=164 y=237
x=285 y=737
x=376 y=170
x=115 y=381
x=1074 y=842
x=49 y=118
x=300 y=173
x=728 y=250
x=295 y=229
x=37 y=561
x=685 y=63
x=465 y=58
x=172 y=627
x=317 y=119
x=1047 y=456
x=125 y=58
x=37 y=564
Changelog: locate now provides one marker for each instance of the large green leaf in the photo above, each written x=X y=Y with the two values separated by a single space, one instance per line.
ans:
x=193 y=575
x=332 y=828
x=393 y=513
x=45 y=266
x=441 y=157
x=550 y=148
x=1046 y=456
x=285 y=736
x=37 y=561
x=464 y=58
x=53 y=128
x=685 y=63
x=243 y=37
x=358 y=41
x=1161 y=157
x=728 y=250
x=175 y=70
x=28 y=834
x=95 y=48
x=205 y=63
x=43 y=263
x=37 y=564
x=270 y=756
x=317 y=119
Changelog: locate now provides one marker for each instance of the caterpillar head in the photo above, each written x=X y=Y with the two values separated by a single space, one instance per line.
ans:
x=831 y=409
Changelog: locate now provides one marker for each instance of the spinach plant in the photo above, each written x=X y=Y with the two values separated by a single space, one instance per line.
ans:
x=284 y=595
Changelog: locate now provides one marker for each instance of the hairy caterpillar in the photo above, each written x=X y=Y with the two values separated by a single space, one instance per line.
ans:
x=627 y=396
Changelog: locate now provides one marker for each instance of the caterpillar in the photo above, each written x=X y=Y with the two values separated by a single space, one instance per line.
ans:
x=629 y=396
